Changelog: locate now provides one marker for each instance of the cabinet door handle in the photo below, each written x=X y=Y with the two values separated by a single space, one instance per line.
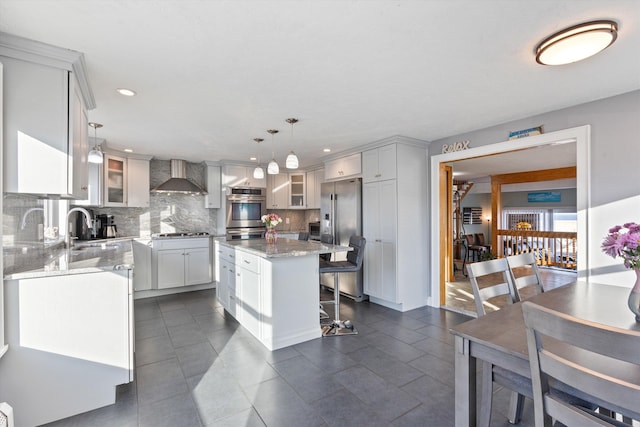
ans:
x=247 y=262
x=238 y=274
x=84 y=187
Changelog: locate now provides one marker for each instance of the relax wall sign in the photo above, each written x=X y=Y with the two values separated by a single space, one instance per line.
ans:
x=456 y=146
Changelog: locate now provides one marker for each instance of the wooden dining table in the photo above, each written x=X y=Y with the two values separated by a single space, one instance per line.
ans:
x=499 y=337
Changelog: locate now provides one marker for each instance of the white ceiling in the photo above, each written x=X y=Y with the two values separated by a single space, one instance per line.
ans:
x=213 y=75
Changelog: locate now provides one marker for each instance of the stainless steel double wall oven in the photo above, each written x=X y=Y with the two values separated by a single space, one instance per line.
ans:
x=245 y=208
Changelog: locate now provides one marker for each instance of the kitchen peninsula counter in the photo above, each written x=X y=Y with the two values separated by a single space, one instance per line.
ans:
x=86 y=257
x=273 y=290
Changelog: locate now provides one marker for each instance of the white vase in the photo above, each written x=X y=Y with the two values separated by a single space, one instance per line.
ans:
x=634 y=296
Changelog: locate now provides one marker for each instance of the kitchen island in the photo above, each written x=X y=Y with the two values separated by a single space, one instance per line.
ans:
x=273 y=290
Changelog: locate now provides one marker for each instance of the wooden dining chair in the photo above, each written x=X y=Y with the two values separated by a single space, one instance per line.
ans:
x=496 y=272
x=608 y=347
x=526 y=285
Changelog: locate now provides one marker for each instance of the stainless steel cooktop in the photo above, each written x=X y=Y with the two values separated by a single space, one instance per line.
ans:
x=180 y=234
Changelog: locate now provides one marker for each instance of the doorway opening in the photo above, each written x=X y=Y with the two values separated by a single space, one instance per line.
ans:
x=498 y=158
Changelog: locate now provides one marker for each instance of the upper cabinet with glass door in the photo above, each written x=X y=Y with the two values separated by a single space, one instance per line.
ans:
x=115 y=179
x=297 y=194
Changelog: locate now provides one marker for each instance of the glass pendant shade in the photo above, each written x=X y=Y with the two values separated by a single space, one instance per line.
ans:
x=258 y=173
x=292 y=161
x=95 y=156
x=273 y=168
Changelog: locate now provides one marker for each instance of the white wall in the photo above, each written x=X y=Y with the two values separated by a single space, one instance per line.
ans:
x=615 y=187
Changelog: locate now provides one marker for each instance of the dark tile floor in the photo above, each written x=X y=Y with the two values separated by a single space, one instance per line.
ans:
x=195 y=366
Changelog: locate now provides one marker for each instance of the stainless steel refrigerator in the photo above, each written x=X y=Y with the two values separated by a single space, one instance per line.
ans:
x=341 y=216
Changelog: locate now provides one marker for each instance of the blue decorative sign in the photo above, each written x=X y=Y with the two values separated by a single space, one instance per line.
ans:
x=543 y=196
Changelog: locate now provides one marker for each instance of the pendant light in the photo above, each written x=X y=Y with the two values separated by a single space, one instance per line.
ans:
x=292 y=159
x=258 y=172
x=272 y=167
x=95 y=155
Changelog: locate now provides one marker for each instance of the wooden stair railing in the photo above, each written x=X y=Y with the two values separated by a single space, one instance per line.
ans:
x=551 y=248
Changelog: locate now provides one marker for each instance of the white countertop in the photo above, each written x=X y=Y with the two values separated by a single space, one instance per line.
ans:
x=87 y=257
x=283 y=247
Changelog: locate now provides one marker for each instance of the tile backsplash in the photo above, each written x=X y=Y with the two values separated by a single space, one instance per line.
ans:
x=166 y=213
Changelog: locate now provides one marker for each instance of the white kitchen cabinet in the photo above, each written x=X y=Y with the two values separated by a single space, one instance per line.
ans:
x=170 y=265
x=379 y=164
x=197 y=267
x=213 y=179
x=115 y=180
x=297 y=191
x=343 y=167
x=142 y=261
x=395 y=271
x=379 y=222
x=226 y=277
x=45 y=99
x=180 y=262
x=138 y=186
x=278 y=191
x=71 y=342
x=122 y=180
x=95 y=187
x=314 y=183
x=241 y=176
x=248 y=311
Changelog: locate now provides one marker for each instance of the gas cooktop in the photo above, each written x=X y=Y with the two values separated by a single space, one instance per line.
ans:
x=179 y=234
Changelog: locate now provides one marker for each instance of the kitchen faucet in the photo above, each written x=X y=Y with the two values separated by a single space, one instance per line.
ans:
x=23 y=224
x=87 y=216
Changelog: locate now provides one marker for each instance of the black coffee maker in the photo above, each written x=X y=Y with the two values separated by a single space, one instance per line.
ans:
x=106 y=227
x=78 y=226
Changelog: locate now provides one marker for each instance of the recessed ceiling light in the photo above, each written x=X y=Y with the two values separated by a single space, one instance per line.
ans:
x=253 y=159
x=128 y=150
x=126 y=92
x=576 y=43
x=327 y=150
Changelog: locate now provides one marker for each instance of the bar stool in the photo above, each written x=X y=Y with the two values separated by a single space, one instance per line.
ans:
x=327 y=239
x=353 y=263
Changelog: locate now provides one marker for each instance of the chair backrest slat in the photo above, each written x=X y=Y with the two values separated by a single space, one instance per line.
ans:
x=598 y=346
x=485 y=268
x=526 y=259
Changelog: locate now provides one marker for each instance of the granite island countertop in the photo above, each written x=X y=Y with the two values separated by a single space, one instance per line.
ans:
x=86 y=257
x=283 y=247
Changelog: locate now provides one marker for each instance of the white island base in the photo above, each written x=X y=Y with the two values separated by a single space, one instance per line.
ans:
x=272 y=290
x=289 y=308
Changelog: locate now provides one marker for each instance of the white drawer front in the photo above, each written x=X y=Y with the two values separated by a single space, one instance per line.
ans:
x=248 y=261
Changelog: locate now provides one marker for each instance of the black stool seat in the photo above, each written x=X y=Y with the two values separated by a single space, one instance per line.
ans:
x=337 y=266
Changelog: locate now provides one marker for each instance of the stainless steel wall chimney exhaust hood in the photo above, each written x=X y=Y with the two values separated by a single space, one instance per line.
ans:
x=179 y=182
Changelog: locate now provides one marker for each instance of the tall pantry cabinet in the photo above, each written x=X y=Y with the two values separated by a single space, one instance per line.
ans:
x=394 y=216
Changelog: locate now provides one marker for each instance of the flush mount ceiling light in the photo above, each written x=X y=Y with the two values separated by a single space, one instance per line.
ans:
x=95 y=155
x=272 y=167
x=292 y=159
x=576 y=43
x=126 y=92
x=258 y=172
